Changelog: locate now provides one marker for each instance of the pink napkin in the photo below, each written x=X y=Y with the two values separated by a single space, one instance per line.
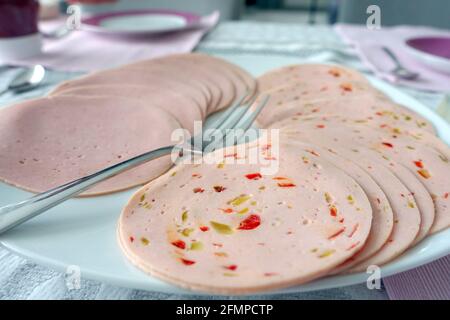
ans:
x=368 y=43
x=429 y=282
x=85 y=51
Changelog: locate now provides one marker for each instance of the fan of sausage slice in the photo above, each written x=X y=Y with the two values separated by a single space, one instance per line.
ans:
x=227 y=228
x=429 y=164
x=294 y=73
x=321 y=89
x=412 y=162
x=183 y=108
x=364 y=108
x=383 y=217
x=95 y=121
x=407 y=218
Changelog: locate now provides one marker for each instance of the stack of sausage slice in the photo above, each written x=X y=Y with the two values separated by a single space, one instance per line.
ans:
x=228 y=228
x=394 y=147
x=101 y=119
x=360 y=180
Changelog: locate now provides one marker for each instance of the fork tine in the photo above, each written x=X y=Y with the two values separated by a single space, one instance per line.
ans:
x=219 y=122
x=248 y=121
x=249 y=118
x=228 y=121
x=232 y=122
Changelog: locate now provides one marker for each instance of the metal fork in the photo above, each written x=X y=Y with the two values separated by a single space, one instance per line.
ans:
x=234 y=117
x=399 y=70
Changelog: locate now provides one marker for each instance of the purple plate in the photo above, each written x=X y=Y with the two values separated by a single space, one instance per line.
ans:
x=140 y=22
x=431 y=51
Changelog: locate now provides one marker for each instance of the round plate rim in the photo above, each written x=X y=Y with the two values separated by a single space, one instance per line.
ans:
x=427 y=58
x=92 y=23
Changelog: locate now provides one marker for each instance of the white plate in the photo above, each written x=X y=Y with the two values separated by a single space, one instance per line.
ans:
x=81 y=232
x=140 y=22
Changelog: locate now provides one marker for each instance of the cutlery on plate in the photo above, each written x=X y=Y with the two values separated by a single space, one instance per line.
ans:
x=27 y=79
x=239 y=116
x=400 y=71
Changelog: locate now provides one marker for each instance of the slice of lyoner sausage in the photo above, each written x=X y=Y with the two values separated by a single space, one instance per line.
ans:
x=225 y=227
x=238 y=78
x=383 y=221
x=407 y=218
x=326 y=89
x=424 y=156
x=429 y=165
x=244 y=83
x=160 y=78
x=365 y=108
x=350 y=134
x=182 y=66
x=325 y=73
x=183 y=108
x=309 y=90
x=421 y=196
x=47 y=142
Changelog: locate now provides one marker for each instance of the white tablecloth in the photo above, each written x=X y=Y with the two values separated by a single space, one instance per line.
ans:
x=23 y=279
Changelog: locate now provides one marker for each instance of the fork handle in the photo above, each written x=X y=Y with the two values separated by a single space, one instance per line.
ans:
x=14 y=214
x=393 y=57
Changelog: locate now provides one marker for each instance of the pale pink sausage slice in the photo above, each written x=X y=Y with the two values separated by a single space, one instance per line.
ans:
x=353 y=137
x=430 y=166
x=327 y=73
x=182 y=66
x=382 y=222
x=251 y=84
x=424 y=158
x=159 y=78
x=367 y=108
x=407 y=218
x=244 y=83
x=50 y=141
x=221 y=227
x=421 y=196
x=313 y=89
x=184 y=109
x=310 y=90
x=241 y=80
x=424 y=136
x=218 y=66
x=326 y=89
